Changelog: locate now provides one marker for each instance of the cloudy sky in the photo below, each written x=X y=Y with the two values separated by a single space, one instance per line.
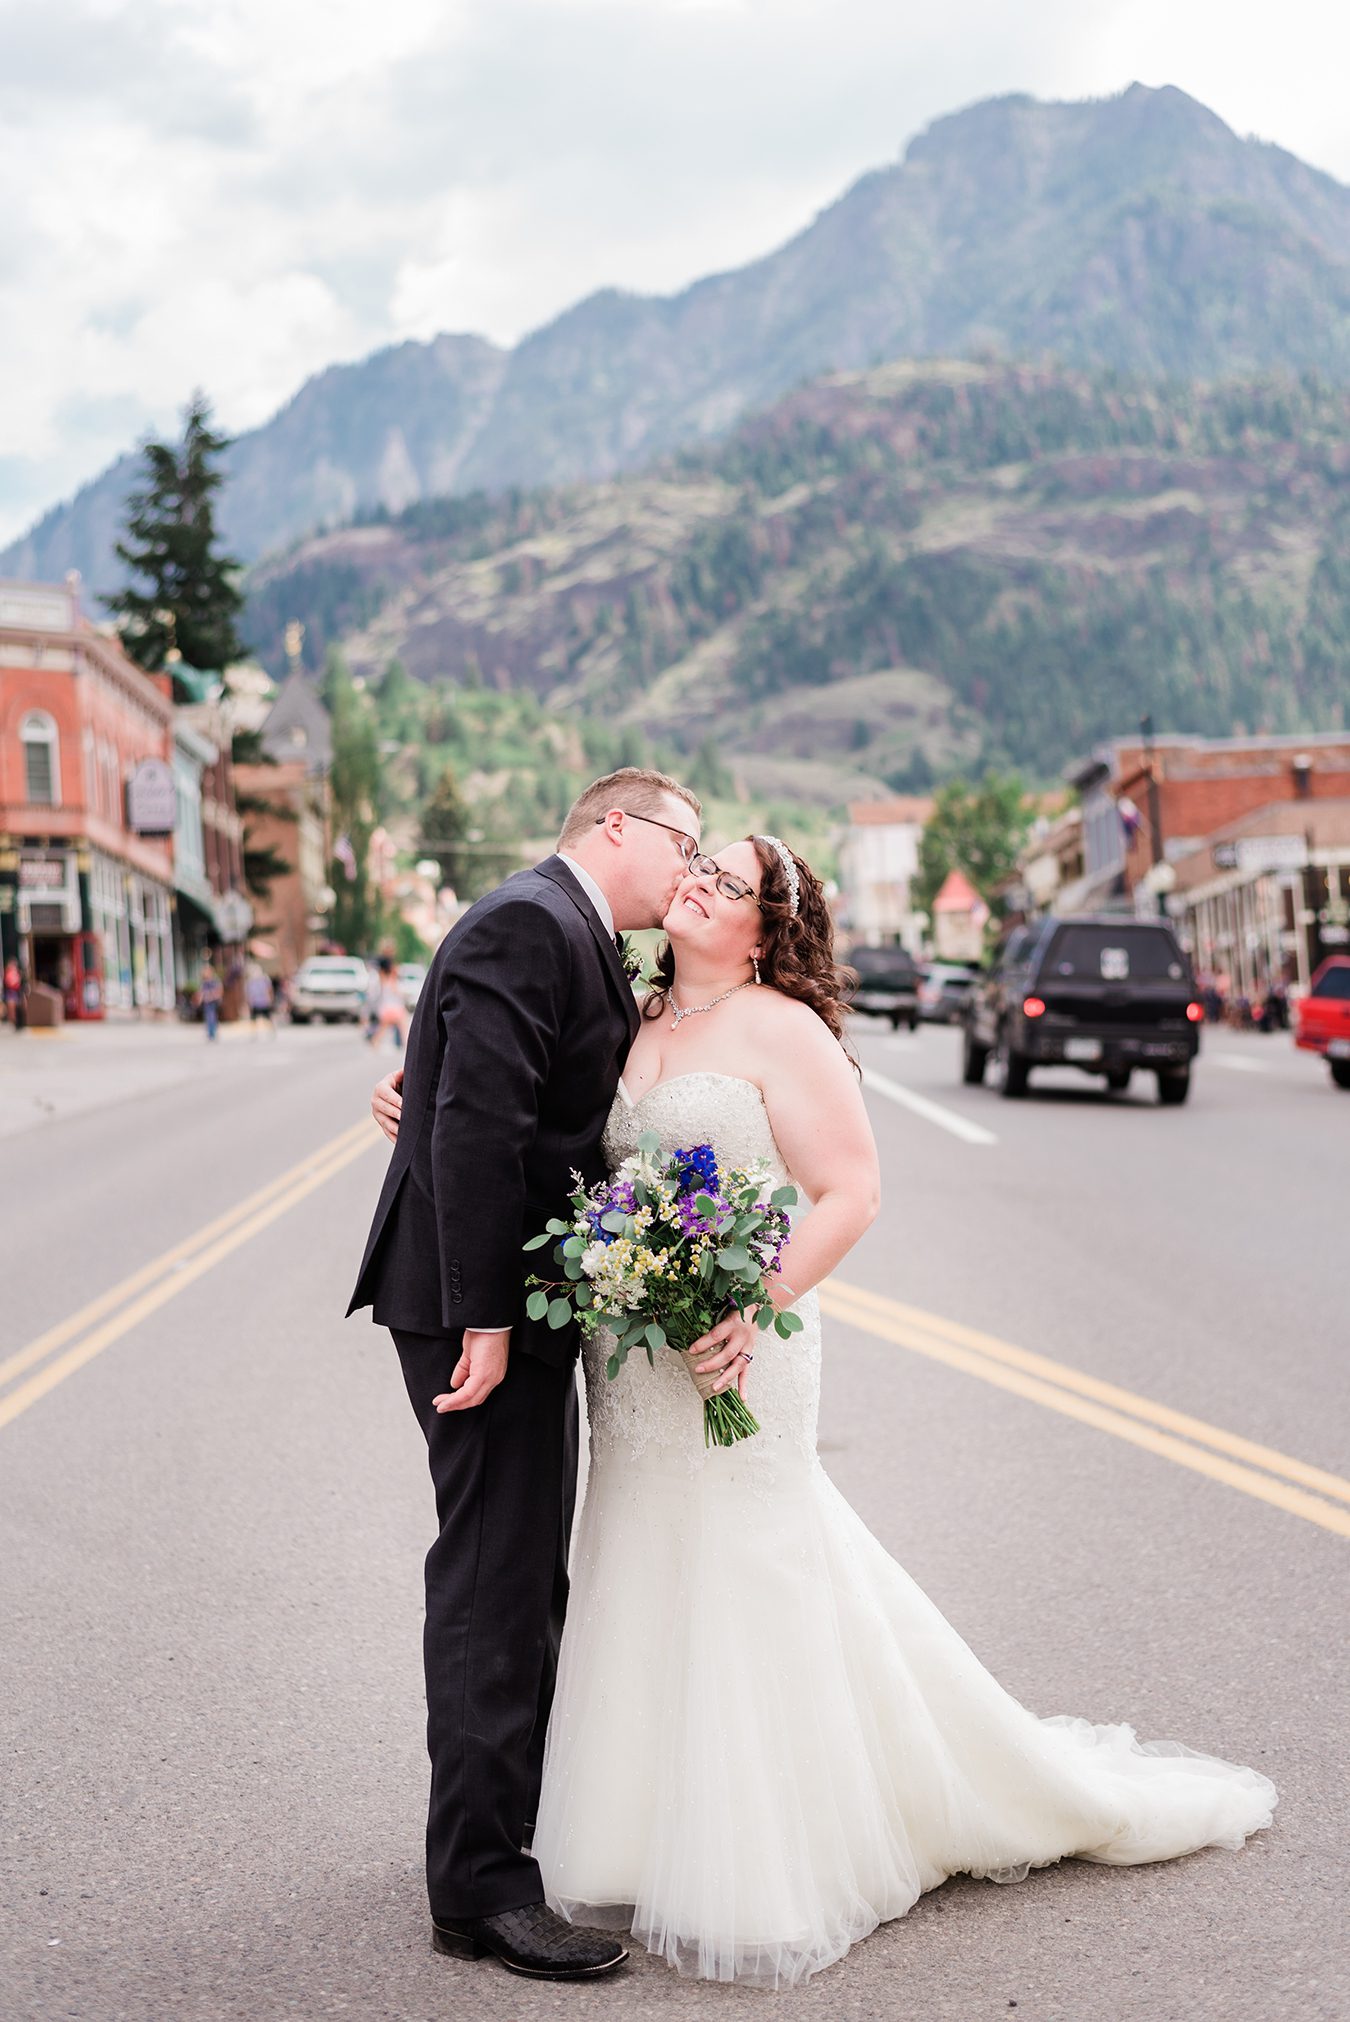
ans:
x=236 y=193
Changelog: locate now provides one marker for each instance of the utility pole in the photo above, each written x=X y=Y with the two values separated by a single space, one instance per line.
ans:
x=1154 y=806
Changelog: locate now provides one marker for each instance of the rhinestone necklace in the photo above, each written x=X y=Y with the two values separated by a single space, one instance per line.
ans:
x=678 y=1011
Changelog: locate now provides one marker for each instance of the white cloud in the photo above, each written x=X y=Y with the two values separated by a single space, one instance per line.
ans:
x=236 y=193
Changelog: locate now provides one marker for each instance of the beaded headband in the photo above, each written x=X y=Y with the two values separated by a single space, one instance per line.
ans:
x=789 y=870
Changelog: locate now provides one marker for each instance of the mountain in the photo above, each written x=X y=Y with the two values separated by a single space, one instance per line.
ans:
x=1136 y=232
x=892 y=573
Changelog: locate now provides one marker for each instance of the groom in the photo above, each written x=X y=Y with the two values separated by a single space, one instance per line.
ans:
x=521 y=1031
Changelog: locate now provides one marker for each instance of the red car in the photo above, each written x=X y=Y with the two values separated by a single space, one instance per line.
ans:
x=1322 y=1022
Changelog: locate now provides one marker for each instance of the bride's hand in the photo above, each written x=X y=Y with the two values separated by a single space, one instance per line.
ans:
x=729 y=1347
x=386 y=1103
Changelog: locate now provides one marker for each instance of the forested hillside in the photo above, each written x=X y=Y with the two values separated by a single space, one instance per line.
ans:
x=892 y=574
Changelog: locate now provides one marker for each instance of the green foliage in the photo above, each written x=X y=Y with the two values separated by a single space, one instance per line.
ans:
x=976 y=829
x=355 y=786
x=191 y=599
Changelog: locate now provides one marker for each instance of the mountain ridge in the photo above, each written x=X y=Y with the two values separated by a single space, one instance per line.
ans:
x=1136 y=231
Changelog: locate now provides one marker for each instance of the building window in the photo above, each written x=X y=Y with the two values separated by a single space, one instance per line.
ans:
x=41 y=760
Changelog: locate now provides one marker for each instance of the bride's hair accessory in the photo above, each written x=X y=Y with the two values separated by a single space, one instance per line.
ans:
x=789 y=871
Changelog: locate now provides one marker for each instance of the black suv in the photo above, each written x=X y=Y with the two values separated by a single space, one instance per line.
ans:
x=887 y=986
x=1105 y=993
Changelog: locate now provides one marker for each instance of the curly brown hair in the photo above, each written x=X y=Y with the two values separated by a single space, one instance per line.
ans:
x=798 y=948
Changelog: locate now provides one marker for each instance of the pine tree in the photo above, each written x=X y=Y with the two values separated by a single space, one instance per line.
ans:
x=192 y=600
x=444 y=823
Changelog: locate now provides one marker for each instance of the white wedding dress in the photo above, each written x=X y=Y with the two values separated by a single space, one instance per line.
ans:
x=766 y=1739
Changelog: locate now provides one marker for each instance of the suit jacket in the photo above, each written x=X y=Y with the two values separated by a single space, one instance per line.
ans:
x=512 y=1062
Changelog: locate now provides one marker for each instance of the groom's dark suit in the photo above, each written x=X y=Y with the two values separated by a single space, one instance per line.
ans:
x=512 y=1064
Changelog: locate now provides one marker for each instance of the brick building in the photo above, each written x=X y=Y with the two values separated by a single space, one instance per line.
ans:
x=86 y=808
x=287 y=803
x=1157 y=801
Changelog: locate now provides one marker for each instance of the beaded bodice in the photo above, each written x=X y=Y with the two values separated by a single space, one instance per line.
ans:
x=653 y=1415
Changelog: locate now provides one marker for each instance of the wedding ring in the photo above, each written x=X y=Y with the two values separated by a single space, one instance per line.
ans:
x=746 y=1355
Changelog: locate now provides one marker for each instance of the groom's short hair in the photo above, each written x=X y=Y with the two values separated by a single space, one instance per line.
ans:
x=634 y=788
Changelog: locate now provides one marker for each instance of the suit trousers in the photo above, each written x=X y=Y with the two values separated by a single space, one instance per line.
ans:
x=505 y=1475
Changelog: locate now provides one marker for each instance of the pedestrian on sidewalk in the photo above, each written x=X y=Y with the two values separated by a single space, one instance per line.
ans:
x=209 y=993
x=390 y=1011
x=16 y=995
x=259 y=996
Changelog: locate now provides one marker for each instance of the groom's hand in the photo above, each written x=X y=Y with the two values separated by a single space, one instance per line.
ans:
x=386 y=1103
x=480 y=1368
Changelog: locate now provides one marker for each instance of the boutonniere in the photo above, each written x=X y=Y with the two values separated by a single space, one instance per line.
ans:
x=632 y=960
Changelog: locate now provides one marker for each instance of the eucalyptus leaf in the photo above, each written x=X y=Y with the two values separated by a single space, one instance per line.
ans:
x=559 y=1312
x=572 y=1269
x=536 y=1242
x=706 y=1205
x=537 y=1305
x=557 y=1228
x=583 y=1295
x=733 y=1258
x=656 y=1336
x=612 y=1367
x=574 y=1246
x=649 y=1141
x=614 y=1222
x=783 y=1197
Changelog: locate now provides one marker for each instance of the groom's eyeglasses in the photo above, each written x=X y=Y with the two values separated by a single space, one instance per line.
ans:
x=685 y=844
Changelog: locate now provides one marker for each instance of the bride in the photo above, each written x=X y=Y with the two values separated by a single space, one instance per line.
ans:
x=766 y=1739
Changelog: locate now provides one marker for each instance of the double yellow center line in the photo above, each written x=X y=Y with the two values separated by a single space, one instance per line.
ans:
x=105 y=1319
x=1291 y=1485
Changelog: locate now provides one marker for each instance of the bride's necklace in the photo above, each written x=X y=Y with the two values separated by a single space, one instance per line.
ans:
x=678 y=1011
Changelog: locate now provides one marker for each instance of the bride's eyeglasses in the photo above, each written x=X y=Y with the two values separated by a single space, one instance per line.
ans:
x=727 y=883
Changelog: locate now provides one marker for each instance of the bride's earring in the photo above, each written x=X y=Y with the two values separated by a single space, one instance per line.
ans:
x=754 y=963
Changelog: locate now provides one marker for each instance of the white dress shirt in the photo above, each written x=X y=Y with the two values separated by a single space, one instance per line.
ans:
x=604 y=912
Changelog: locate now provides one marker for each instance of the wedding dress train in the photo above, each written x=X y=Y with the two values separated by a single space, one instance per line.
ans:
x=766 y=1739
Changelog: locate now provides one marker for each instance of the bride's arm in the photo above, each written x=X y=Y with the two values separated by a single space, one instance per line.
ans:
x=818 y=1116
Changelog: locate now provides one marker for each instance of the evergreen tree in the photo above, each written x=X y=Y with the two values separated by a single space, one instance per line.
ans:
x=444 y=823
x=192 y=599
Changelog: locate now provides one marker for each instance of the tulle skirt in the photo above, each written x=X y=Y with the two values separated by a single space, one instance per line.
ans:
x=767 y=1740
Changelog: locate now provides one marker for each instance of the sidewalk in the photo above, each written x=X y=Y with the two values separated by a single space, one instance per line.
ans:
x=46 y=1076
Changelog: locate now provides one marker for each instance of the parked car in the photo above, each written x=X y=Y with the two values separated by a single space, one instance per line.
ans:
x=330 y=987
x=1102 y=993
x=411 y=977
x=1322 y=1018
x=887 y=986
x=944 y=991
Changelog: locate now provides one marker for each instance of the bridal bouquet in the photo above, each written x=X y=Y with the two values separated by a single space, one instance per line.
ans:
x=661 y=1252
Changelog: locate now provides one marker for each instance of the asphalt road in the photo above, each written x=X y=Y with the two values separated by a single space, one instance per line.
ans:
x=214 y=1510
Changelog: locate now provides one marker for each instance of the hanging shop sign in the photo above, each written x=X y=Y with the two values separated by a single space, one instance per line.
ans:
x=152 y=799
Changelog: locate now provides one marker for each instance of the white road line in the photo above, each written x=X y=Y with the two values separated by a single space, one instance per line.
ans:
x=932 y=1112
